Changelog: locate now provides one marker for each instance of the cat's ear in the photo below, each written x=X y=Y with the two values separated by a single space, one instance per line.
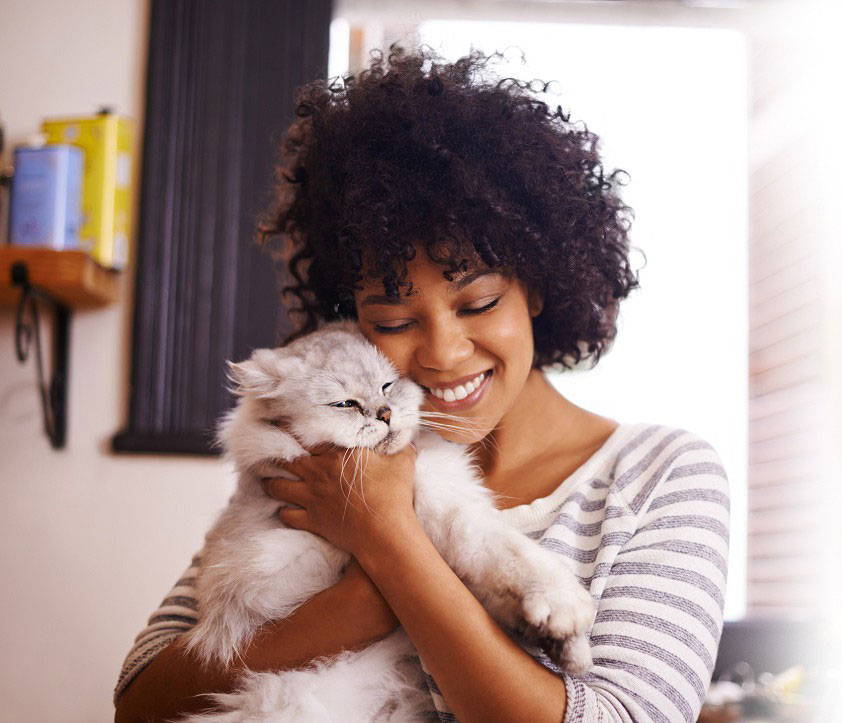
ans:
x=262 y=375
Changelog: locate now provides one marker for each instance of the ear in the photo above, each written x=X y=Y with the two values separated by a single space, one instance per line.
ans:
x=261 y=375
x=535 y=302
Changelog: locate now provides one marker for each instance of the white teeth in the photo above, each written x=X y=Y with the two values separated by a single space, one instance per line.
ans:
x=459 y=392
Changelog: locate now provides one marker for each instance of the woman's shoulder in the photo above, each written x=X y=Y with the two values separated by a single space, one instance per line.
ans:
x=649 y=436
x=648 y=456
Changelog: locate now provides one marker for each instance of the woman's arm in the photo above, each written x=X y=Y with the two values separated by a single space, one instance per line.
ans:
x=347 y=616
x=481 y=672
x=656 y=633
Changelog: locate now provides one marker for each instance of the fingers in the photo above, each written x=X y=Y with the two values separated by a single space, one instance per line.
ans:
x=298 y=466
x=287 y=490
x=301 y=465
x=326 y=460
x=294 y=518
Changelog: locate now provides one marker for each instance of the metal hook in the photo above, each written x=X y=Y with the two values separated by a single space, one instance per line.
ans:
x=53 y=398
x=23 y=331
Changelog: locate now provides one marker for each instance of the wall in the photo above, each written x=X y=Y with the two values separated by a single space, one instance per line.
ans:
x=89 y=542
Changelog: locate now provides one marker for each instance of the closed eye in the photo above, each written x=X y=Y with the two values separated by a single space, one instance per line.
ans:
x=468 y=312
x=386 y=386
x=482 y=309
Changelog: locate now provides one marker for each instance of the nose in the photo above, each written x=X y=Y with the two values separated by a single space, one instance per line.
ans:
x=444 y=347
x=384 y=414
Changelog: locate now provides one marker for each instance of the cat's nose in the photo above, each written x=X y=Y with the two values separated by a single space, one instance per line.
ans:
x=384 y=414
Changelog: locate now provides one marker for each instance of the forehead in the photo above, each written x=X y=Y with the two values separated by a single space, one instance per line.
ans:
x=428 y=277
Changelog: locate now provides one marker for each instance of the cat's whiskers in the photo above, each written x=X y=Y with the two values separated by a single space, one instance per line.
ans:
x=448 y=427
x=471 y=423
x=358 y=472
x=362 y=478
x=367 y=452
x=442 y=425
x=463 y=420
x=484 y=441
x=467 y=420
x=345 y=456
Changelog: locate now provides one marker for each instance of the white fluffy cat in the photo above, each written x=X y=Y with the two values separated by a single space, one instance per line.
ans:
x=255 y=569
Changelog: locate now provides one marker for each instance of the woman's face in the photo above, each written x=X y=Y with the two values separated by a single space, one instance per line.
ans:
x=468 y=342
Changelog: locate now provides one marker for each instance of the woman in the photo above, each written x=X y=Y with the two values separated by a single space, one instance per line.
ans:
x=474 y=235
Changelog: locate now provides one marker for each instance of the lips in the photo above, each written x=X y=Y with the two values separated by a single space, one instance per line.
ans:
x=468 y=383
x=465 y=403
x=452 y=394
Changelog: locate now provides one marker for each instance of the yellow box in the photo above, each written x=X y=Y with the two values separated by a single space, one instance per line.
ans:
x=106 y=140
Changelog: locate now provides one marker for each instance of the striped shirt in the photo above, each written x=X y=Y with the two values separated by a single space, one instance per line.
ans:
x=644 y=524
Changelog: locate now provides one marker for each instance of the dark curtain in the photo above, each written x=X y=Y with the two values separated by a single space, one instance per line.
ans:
x=221 y=80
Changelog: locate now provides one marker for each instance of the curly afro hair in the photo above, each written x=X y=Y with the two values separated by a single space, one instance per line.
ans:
x=472 y=169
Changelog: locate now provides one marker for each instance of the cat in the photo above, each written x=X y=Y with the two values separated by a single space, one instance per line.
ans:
x=255 y=569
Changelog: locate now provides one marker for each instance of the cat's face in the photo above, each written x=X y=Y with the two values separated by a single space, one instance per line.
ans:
x=332 y=386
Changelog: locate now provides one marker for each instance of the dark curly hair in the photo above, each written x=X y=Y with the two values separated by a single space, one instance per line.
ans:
x=472 y=169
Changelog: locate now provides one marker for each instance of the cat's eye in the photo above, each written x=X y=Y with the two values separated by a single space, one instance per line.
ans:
x=347 y=404
x=386 y=386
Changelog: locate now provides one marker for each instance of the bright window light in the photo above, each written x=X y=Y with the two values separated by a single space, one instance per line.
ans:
x=340 y=47
x=670 y=104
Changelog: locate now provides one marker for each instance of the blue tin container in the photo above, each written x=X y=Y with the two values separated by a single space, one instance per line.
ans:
x=46 y=197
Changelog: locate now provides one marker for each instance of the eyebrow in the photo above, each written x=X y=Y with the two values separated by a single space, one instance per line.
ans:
x=457 y=285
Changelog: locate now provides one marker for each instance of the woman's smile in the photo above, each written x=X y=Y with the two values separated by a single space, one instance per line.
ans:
x=467 y=341
x=459 y=395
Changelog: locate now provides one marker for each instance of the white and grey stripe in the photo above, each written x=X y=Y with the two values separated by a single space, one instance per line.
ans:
x=644 y=524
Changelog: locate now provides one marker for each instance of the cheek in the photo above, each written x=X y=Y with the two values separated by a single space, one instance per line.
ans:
x=509 y=335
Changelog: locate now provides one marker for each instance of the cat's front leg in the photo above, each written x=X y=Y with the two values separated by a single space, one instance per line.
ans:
x=535 y=591
x=522 y=584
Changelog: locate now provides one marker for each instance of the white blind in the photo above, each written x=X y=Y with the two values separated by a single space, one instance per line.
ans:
x=787 y=340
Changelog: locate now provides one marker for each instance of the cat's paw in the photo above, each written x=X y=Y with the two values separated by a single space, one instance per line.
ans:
x=576 y=654
x=559 y=619
x=572 y=654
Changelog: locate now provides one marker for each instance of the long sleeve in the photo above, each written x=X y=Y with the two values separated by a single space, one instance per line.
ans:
x=644 y=524
x=660 y=616
x=175 y=615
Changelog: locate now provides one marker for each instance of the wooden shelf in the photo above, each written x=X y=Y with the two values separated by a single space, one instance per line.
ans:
x=72 y=277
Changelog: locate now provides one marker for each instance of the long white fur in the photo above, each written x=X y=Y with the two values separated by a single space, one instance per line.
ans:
x=255 y=569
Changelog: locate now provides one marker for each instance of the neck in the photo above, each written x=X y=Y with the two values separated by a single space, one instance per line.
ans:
x=540 y=413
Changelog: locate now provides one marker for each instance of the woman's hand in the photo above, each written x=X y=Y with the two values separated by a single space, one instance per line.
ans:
x=354 y=498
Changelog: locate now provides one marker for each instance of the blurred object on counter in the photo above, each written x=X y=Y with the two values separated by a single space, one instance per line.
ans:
x=45 y=206
x=106 y=140
x=773 y=642
x=795 y=695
